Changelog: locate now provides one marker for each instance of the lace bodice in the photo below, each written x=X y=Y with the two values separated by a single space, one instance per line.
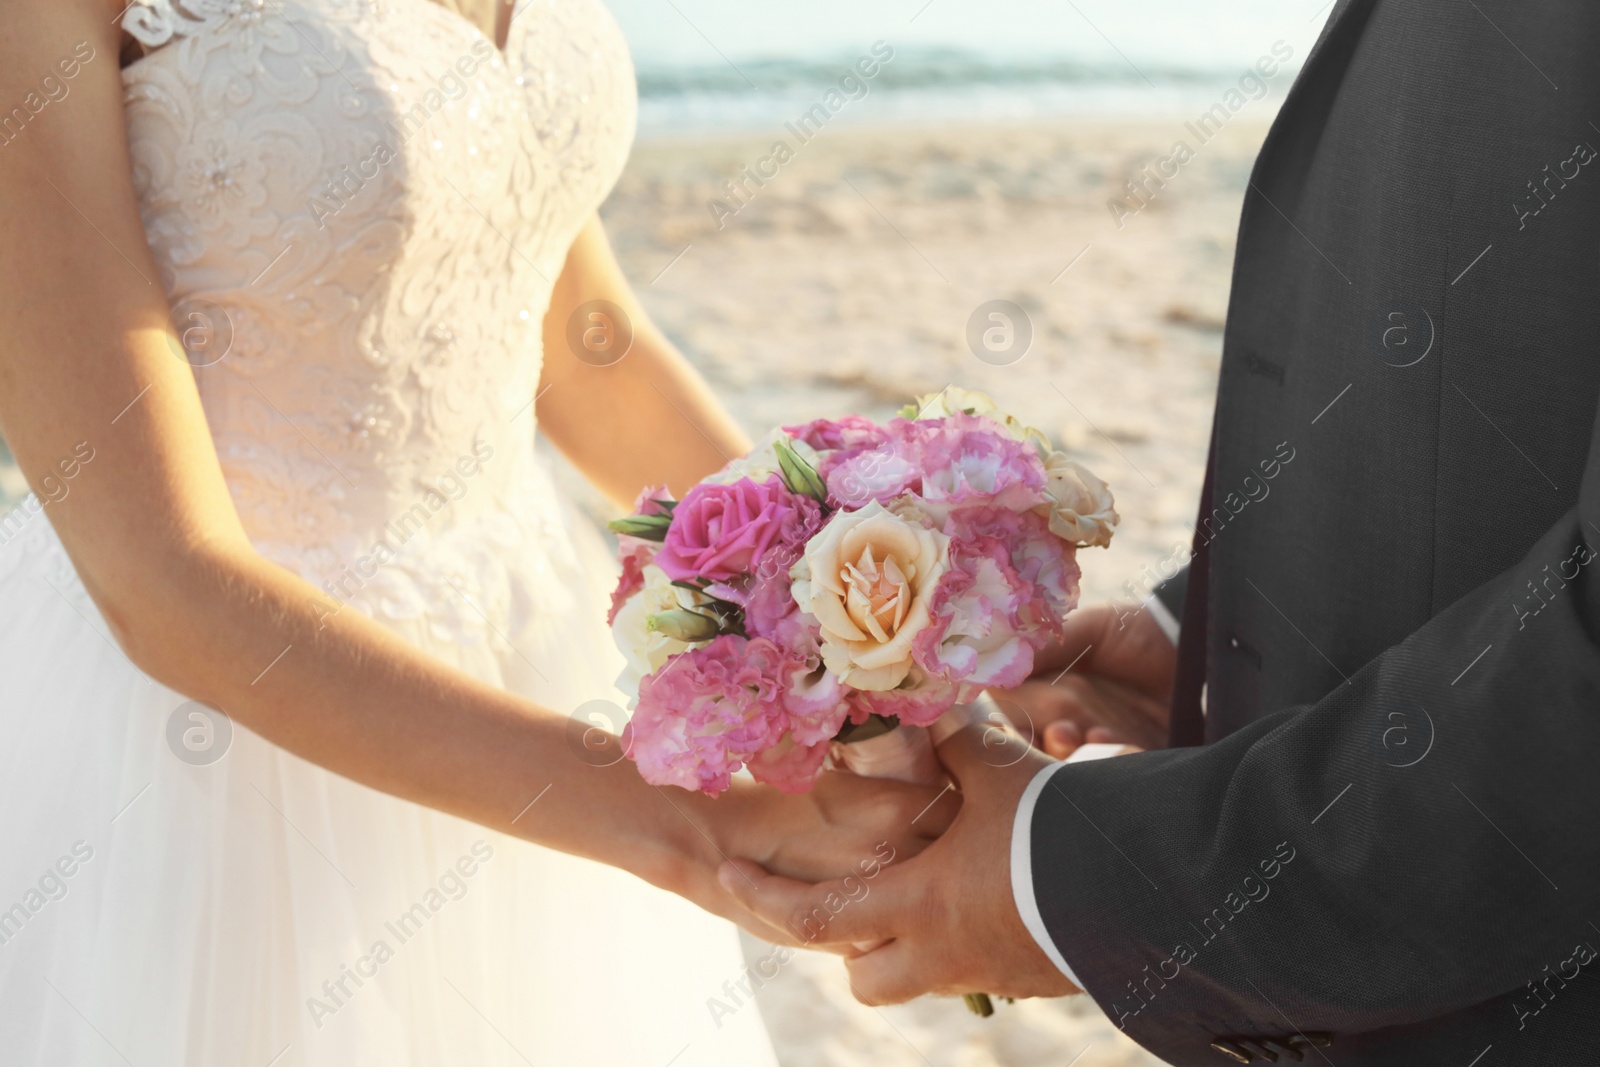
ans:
x=358 y=208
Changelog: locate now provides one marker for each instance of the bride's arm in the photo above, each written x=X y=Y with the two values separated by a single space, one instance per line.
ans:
x=647 y=418
x=86 y=360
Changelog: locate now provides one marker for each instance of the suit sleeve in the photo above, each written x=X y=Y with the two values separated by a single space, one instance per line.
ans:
x=1171 y=593
x=1418 y=842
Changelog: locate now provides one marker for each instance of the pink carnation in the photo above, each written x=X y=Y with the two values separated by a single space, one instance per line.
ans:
x=970 y=460
x=959 y=460
x=814 y=699
x=980 y=634
x=634 y=552
x=1039 y=557
x=789 y=766
x=850 y=432
x=652 y=500
x=918 y=701
x=886 y=470
x=721 y=532
x=709 y=711
x=768 y=600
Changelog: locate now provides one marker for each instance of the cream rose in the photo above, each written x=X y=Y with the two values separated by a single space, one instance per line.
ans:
x=1080 y=507
x=867 y=576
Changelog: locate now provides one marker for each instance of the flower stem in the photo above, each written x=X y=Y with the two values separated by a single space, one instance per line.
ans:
x=979 y=1004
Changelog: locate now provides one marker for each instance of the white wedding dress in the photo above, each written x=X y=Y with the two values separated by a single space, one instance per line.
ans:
x=363 y=204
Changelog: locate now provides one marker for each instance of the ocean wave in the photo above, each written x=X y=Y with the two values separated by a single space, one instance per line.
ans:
x=911 y=70
x=918 y=86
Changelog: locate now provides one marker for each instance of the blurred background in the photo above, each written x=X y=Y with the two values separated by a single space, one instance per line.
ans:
x=980 y=170
x=986 y=159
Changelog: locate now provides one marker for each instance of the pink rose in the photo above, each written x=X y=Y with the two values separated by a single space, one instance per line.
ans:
x=768 y=597
x=720 y=532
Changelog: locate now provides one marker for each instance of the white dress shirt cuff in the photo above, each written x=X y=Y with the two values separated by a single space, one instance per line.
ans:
x=1022 y=826
x=1022 y=855
x=1164 y=618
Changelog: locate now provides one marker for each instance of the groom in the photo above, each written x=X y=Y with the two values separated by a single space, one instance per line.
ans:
x=1374 y=837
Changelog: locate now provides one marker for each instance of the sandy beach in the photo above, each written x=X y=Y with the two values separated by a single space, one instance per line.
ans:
x=845 y=283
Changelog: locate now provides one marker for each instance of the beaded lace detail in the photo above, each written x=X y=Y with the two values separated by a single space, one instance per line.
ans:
x=358 y=208
x=155 y=22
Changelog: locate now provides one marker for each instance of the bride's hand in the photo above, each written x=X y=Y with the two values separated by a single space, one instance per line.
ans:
x=846 y=820
x=847 y=825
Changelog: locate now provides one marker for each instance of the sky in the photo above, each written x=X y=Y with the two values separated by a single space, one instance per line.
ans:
x=1203 y=34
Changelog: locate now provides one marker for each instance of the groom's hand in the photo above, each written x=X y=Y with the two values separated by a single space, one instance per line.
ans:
x=941 y=922
x=1108 y=680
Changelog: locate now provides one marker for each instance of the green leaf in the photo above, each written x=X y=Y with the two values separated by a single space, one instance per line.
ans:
x=682 y=624
x=646 y=527
x=979 y=1004
x=875 y=726
x=800 y=476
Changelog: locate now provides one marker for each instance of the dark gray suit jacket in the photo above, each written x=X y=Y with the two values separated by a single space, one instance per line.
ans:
x=1391 y=839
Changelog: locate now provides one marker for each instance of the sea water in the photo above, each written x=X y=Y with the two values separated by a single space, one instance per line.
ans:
x=712 y=66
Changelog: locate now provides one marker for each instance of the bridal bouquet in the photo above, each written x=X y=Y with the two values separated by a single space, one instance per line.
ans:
x=842 y=586
x=843 y=579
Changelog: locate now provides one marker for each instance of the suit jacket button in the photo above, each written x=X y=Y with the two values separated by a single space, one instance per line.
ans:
x=1231 y=1050
x=1290 y=1050
x=1257 y=1047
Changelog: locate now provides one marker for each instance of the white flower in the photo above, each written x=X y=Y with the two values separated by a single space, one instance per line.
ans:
x=1081 y=508
x=645 y=649
x=762 y=460
x=953 y=400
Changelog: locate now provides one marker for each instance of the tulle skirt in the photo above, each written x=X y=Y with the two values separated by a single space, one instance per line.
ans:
x=175 y=891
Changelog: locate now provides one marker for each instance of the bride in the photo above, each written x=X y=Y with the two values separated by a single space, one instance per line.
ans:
x=299 y=645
